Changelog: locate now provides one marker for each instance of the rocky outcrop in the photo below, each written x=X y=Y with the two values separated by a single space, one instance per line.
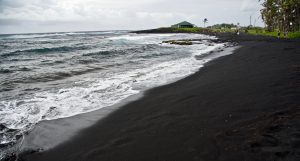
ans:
x=177 y=42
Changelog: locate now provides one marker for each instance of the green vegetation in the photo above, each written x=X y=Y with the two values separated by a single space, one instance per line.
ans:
x=182 y=30
x=223 y=30
x=230 y=29
x=293 y=35
x=279 y=15
x=223 y=26
x=283 y=15
x=189 y=30
x=265 y=32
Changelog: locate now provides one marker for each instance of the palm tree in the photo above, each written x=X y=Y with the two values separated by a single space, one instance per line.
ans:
x=205 y=21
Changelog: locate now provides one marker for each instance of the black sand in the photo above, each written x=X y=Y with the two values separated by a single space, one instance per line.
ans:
x=241 y=107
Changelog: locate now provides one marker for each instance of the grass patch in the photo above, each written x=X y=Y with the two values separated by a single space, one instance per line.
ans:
x=223 y=30
x=252 y=31
x=188 y=30
x=263 y=32
x=294 y=35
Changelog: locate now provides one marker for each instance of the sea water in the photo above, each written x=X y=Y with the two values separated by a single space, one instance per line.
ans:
x=56 y=75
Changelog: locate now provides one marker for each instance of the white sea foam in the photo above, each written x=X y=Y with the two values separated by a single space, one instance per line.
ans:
x=139 y=37
x=156 y=38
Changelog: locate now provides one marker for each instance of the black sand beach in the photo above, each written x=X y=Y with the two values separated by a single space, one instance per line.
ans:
x=241 y=107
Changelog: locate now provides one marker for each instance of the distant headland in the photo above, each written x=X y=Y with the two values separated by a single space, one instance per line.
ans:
x=217 y=29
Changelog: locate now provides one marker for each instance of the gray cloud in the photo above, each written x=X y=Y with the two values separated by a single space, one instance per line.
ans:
x=64 y=15
x=9 y=22
x=13 y=4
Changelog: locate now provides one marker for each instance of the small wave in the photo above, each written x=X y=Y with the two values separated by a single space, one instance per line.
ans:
x=61 y=49
x=6 y=89
x=86 y=71
x=45 y=77
x=99 y=53
x=156 y=54
x=135 y=37
x=6 y=85
x=24 y=69
x=115 y=52
x=48 y=77
x=87 y=61
x=59 y=62
x=51 y=63
x=108 y=53
x=5 y=71
x=54 y=49
x=32 y=89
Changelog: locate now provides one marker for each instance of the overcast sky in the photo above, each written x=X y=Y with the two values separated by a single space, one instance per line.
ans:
x=27 y=16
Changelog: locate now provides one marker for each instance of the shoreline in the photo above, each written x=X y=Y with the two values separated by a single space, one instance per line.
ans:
x=145 y=131
x=44 y=135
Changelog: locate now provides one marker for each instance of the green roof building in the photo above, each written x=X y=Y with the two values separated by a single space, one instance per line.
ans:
x=183 y=24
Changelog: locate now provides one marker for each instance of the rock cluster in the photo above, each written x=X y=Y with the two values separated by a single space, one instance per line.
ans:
x=178 y=42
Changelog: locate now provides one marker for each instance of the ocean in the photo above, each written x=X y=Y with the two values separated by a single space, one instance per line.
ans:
x=57 y=75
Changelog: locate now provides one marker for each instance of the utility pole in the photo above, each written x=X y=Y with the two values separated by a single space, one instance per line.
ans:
x=250 y=21
x=257 y=19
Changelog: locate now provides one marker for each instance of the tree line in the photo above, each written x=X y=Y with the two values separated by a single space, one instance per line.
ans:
x=224 y=25
x=283 y=15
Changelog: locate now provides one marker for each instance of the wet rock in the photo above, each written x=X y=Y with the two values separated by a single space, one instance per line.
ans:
x=11 y=157
x=176 y=42
x=2 y=127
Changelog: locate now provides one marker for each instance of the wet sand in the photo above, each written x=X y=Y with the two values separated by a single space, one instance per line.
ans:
x=243 y=106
